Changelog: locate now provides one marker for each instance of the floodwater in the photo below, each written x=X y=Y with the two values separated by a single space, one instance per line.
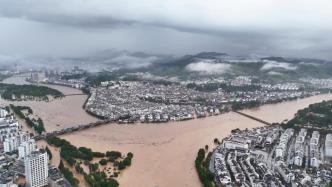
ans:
x=164 y=154
x=58 y=113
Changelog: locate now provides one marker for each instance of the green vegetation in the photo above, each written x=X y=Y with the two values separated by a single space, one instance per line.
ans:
x=113 y=154
x=94 y=167
x=329 y=184
x=126 y=162
x=235 y=130
x=79 y=169
x=201 y=165
x=37 y=125
x=208 y=87
x=177 y=67
x=74 y=76
x=18 y=110
x=68 y=175
x=95 y=178
x=69 y=152
x=7 y=108
x=49 y=153
x=3 y=77
x=96 y=79
x=316 y=115
x=216 y=141
x=15 y=92
x=98 y=154
x=243 y=105
x=99 y=179
x=253 y=104
x=103 y=162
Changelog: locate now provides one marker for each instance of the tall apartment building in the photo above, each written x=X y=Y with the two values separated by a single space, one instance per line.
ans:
x=26 y=148
x=328 y=146
x=10 y=144
x=3 y=113
x=36 y=169
x=14 y=140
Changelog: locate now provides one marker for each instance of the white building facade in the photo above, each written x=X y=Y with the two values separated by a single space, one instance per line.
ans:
x=36 y=169
x=26 y=148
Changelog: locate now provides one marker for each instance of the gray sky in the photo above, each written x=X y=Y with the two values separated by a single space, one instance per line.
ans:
x=299 y=28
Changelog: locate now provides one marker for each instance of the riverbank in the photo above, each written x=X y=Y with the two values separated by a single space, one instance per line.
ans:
x=59 y=113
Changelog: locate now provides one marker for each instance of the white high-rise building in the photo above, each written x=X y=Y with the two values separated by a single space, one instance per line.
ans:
x=10 y=144
x=23 y=137
x=314 y=162
x=3 y=113
x=26 y=148
x=36 y=169
x=14 y=140
x=328 y=145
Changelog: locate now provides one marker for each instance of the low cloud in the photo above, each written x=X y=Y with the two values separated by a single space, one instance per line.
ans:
x=208 y=67
x=149 y=76
x=130 y=62
x=273 y=64
x=274 y=73
x=106 y=60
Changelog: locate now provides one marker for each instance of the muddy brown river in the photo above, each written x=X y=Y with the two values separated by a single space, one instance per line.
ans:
x=164 y=154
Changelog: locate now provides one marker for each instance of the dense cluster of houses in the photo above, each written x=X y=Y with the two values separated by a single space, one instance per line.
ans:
x=273 y=156
x=149 y=102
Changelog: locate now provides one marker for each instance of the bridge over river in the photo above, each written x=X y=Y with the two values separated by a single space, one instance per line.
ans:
x=253 y=118
x=104 y=122
x=72 y=129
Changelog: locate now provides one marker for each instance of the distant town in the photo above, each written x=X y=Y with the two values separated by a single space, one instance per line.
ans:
x=129 y=100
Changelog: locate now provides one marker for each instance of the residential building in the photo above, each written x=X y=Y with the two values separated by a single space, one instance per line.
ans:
x=10 y=144
x=328 y=145
x=26 y=148
x=36 y=169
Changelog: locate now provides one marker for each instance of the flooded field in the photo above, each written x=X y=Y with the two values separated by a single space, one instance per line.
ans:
x=164 y=154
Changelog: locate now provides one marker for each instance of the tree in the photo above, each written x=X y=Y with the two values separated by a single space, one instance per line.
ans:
x=113 y=154
x=98 y=154
x=61 y=165
x=68 y=174
x=99 y=179
x=121 y=166
x=103 y=162
x=130 y=154
x=216 y=141
x=235 y=130
x=94 y=167
x=78 y=168
x=49 y=153
x=205 y=176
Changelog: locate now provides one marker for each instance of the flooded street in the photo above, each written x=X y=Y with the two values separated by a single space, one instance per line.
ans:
x=164 y=154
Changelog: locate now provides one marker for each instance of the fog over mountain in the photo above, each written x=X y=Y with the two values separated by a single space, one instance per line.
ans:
x=74 y=28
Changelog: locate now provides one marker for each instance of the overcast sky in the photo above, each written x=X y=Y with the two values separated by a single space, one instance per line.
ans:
x=78 y=27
